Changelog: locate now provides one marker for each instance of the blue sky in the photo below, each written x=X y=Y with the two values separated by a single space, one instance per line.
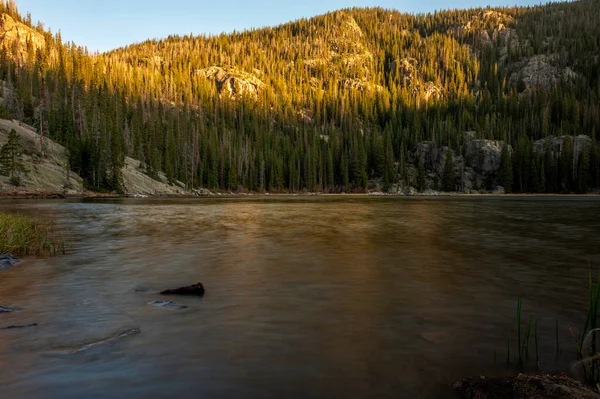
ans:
x=107 y=24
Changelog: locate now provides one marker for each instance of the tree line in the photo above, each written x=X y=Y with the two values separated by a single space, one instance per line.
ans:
x=346 y=98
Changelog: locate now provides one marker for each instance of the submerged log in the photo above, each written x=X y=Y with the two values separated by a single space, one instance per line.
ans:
x=192 y=290
x=539 y=386
x=86 y=347
x=19 y=327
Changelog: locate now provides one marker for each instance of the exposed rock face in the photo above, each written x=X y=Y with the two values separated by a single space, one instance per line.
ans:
x=192 y=290
x=539 y=71
x=407 y=68
x=360 y=85
x=12 y=31
x=49 y=173
x=556 y=144
x=7 y=261
x=476 y=170
x=233 y=83
x=486 y=23
x=343 y=54
x=483 y=155
x=137 y=183
x=523 y=386
x=433 y=156
x=432 y=91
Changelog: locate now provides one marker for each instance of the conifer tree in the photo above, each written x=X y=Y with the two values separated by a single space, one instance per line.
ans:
x=420 y=174
x=506 y=169
x=448 y=174
x=11 y=163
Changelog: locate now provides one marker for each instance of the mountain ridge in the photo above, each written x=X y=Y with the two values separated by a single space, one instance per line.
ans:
x=338 y=102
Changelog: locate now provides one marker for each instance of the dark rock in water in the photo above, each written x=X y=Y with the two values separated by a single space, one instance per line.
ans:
x=539 y=386
x=19 y=327
x=5 y=309
x=167 y=305
x=141 y=289
x=192 y=290
x=7 y=261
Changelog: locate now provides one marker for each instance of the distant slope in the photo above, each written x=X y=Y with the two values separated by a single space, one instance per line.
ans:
x=49 y=174
x=45 y=174
x=340 y=102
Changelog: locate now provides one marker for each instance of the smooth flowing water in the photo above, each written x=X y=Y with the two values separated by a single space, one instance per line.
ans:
x=306 y=298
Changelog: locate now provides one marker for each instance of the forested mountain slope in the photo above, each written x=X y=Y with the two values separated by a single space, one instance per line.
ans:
x=329 y=103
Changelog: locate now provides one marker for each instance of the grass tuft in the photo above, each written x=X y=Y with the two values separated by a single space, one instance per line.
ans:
x=23 y=236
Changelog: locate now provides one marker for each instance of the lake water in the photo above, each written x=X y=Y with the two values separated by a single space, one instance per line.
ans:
x=306 y=297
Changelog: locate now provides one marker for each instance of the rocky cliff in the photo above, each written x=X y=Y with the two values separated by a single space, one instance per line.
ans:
x=476 y=165
x=13 y=33
x=47 y=171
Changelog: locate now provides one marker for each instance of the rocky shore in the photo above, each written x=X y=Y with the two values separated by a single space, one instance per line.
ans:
x=523 y=386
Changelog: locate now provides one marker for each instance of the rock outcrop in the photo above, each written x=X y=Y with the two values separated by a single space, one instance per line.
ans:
x=360 y=85
x=476 y=170
x=556 y=144
x=233 y=83
x=539 y=71
x=47 y=170
x=542 y=386
x=12 y=32
x=7 y=261
x=486 y=26
x=406 y=68
x=137 y=183
x=192 y=290
x=483 y=155
x=46 y=162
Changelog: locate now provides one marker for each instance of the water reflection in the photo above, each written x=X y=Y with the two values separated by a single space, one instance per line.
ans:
x=305 y=298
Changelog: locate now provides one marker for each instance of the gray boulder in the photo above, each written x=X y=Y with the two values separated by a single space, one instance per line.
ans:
x=7 y=261
x=483 y=155
x=556 y=144
x=5 y=309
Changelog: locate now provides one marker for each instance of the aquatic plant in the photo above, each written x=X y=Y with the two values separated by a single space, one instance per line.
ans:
x=523 y=339
x=22 y=236
x=586 y=342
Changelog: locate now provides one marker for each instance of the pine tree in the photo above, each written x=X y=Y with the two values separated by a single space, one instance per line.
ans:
x=420 y=174
x=11 y=163
x=506 y=169
x=594 y=164
x=448 y=174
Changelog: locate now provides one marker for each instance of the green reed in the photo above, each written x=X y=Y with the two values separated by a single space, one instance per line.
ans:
x=523 y=339
x=24 y=236
x=586 y=342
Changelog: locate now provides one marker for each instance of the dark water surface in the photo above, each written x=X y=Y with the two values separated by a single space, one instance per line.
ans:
x=306 y=298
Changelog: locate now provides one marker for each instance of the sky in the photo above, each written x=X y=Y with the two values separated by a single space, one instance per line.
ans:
x=107 y=24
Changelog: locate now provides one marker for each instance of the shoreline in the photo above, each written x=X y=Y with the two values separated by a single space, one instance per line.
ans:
x=97 y=195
